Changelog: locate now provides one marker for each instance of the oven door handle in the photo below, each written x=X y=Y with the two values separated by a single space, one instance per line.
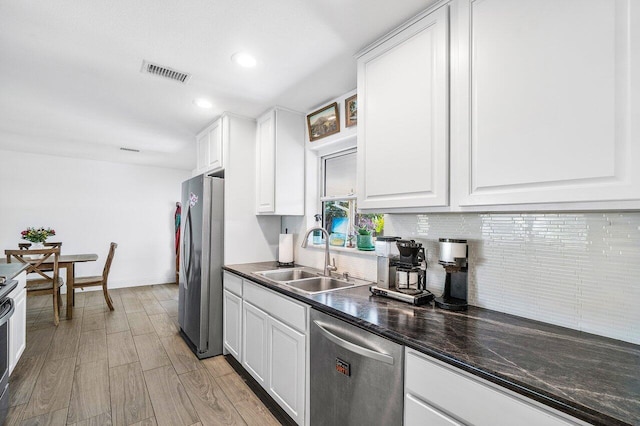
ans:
x=6 y=313
x=360 y=350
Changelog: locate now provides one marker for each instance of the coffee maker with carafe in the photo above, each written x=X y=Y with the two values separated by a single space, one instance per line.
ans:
x=402 y=276
x=411 y=276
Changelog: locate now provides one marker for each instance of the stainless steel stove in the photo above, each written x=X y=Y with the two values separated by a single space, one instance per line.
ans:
x=6 y=310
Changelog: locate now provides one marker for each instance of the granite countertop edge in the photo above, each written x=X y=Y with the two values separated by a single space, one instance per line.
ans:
x=528 y=390
x=11 y=269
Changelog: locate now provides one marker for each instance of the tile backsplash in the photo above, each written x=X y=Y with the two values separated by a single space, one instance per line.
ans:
x=577 y=270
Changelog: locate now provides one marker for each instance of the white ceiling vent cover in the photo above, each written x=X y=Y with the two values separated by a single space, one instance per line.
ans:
x=165 y=72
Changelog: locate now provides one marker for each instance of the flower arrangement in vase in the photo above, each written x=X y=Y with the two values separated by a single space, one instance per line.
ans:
x=37 y=236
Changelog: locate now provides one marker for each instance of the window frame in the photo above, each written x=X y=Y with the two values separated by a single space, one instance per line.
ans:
x=351 y=198
x=323 y=173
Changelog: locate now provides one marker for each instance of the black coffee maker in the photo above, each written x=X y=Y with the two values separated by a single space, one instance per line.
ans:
x=411 y=267
x=404 y=277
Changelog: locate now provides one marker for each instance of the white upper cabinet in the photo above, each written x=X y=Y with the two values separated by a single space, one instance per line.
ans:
x=266 y=164
x=280 y=163
x=403 y=122
x=545 y=102
x=209 y=148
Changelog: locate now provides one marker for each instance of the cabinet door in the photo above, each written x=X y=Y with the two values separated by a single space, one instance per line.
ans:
x=232 y=324
x=254 y=342
x=18 y=323
x=214 y=158
x=266 y=163
x=287 y=368
x=403 y=136
x=202 y=147
x=546 y=96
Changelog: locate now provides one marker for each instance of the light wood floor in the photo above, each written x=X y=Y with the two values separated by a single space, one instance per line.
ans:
x=124 y=367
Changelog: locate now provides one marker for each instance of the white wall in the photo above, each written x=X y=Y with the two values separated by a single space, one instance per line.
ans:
x=247 y=237
x=91 y=203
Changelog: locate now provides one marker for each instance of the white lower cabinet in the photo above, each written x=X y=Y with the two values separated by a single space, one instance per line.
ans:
x=232 y=331
x=18 y=322
x=417 y=412
x=287 y=368
x=232 y=314
x=271 y=331
x=436 y=394
x=254 y=342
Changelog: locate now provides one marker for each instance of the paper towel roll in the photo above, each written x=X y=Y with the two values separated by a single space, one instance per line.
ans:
x=285 y=251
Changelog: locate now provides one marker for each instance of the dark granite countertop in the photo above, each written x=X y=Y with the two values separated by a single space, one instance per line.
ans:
x=590 y=377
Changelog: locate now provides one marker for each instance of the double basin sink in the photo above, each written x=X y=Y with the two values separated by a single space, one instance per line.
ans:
x=309 y=281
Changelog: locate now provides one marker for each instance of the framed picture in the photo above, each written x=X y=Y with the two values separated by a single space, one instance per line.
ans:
x=351 y=110
x=323 y=122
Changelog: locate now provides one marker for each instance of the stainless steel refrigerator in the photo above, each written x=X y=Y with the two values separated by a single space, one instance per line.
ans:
x=200 y=294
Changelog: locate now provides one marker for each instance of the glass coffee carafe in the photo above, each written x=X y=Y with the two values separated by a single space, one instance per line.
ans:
x=411 y=270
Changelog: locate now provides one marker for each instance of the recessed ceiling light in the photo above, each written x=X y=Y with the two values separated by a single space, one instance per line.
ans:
x=203 y=103
x=244 y=59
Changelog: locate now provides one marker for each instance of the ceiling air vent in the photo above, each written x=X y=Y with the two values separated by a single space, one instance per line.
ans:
x=165 y=72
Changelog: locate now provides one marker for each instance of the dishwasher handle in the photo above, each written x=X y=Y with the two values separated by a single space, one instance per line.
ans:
x=378 y=356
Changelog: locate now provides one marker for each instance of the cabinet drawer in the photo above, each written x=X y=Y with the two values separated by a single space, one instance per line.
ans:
x=418 y=413
x=278 y=306
x=233 y=283
x=469 y=399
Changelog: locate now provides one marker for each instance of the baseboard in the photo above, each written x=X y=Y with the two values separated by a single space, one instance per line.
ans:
x=114 y=287
x=259 y=391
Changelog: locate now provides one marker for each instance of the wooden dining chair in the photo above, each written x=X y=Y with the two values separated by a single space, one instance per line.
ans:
x=38 y=281
x=47 y=267
x=82 y=282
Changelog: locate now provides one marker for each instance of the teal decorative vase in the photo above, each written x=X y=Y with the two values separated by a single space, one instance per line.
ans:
x=365 y=242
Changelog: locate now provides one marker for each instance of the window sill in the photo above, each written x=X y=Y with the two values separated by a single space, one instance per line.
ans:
x=338 y=249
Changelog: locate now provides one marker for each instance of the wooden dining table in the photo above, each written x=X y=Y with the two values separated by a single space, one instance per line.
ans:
x=68 y=262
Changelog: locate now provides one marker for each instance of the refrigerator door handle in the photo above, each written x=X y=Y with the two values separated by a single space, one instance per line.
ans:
x=360 y=350
x=186 y=254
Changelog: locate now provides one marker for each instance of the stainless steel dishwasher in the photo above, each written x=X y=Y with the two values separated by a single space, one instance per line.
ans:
x=356 y=376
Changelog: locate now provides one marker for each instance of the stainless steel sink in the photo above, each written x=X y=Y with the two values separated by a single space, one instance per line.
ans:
x=287 y=274
x=310 y=281
x=319 y=284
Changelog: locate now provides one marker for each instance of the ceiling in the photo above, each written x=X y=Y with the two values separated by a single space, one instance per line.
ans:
x=70 y=80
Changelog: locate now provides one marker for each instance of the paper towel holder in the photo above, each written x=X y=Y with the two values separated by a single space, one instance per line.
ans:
x=286 y=264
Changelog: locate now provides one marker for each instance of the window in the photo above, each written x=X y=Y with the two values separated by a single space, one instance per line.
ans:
x=338 y=197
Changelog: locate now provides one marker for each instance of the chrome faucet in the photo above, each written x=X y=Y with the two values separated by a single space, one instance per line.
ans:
x=328 y=268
